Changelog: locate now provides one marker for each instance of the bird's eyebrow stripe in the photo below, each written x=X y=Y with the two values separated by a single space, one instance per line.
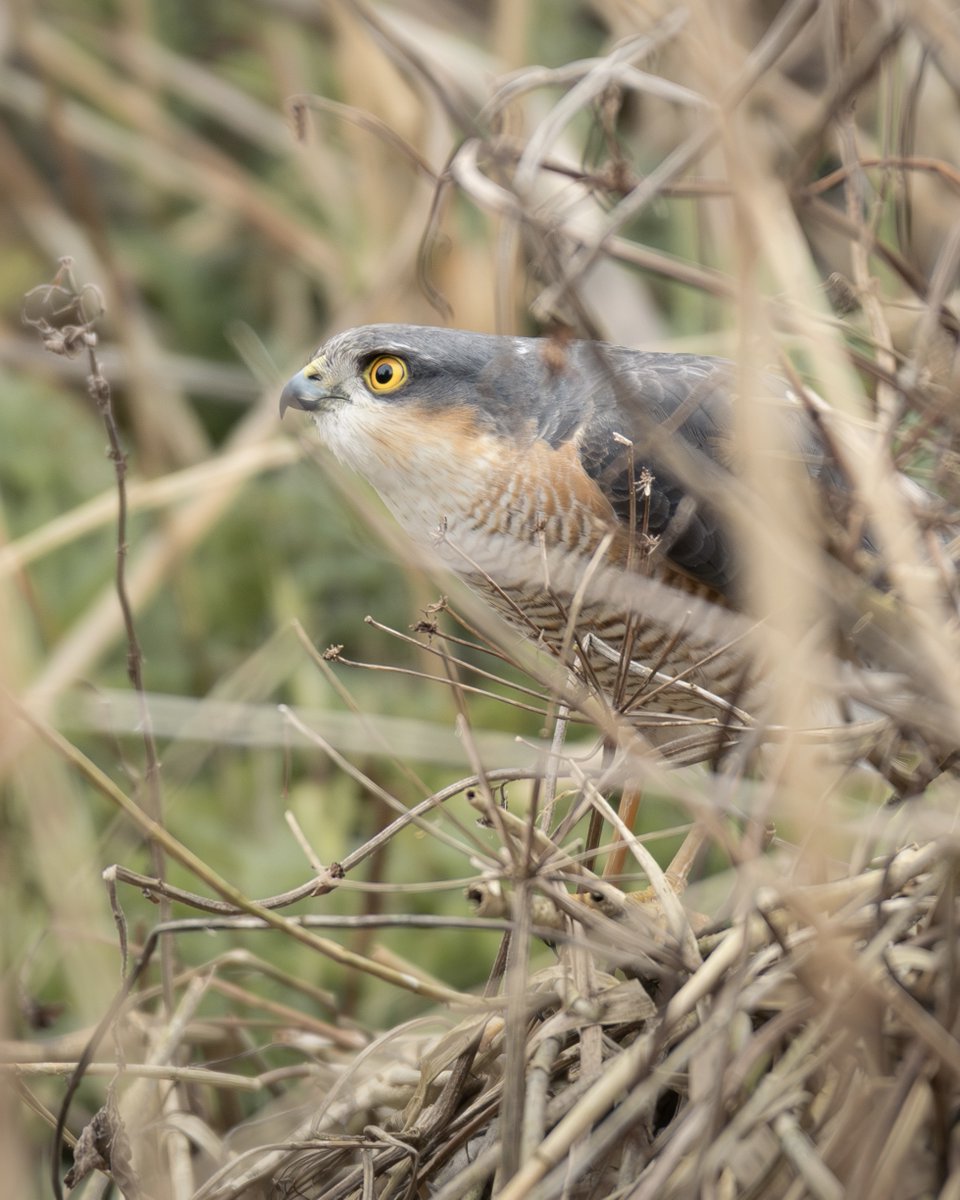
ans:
x=368 y=356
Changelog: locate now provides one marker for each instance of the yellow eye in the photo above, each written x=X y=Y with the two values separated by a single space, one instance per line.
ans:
x=386 y=373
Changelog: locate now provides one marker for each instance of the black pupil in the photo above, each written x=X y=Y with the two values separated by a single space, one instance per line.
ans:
x=384 y=374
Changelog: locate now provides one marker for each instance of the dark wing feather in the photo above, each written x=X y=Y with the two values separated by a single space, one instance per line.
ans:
x=676 y=410
x=673 y=409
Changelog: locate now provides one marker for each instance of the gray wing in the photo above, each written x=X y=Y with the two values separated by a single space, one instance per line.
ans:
x=676 y=410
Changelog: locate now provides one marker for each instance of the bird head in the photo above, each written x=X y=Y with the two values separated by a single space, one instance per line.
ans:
x=424 y=413
x=363 y=367
x=505 y=385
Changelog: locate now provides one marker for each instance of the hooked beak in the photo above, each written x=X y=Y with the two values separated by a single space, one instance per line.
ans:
x=307 y=391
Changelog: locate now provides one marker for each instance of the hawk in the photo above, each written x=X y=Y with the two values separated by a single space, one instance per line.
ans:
x=579 y=487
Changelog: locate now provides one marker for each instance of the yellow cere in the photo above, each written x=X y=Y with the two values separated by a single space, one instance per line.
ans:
x=386 y=373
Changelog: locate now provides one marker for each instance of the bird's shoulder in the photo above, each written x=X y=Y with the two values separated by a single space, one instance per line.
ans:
x=650 y=424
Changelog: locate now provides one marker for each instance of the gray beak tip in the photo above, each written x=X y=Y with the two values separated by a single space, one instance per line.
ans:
x=293 y=396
